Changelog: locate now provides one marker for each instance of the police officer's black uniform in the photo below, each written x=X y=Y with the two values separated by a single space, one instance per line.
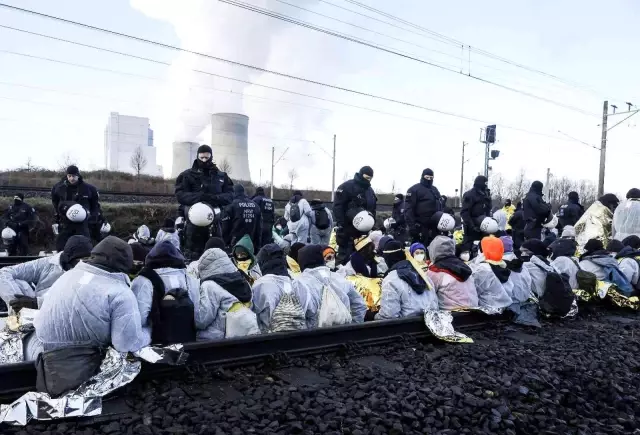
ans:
x=571 y=212
x=476 y=205
x=268 y=212
x=351 y=197
x=20 y=217
x=204 y=182
x=65 y=194
x=242 y=217
x=422 y=201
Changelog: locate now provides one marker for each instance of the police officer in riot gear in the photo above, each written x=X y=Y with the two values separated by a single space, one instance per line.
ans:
x=267 y=210
x=242 y=217
x=203 y=182
x=351 y=197
x=72 y=189
x=20 y=217
x=422 y=201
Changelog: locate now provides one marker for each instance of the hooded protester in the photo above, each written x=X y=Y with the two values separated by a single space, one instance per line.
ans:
x=614 y=246
x=297 y=212
x=398 y=228
x=571 y=212
x=292 y=259
x=491 y=276
x=520 y=280
x=351 y=197
x=534 y=253
x=598 y=261
x=169 y=232
x=143 y=236
x=404 y=292
x=72 y=189
x=563 y=251
x=280 y=303
x=476 y=205
x=536 y=211
x=321 y=223
x=363 y=260
x=41 y=274
x=316 y=276
x=500 y=216
x=243 y=258
x=164 y=277
x=267 y=211
x=329 y=255
x=20 y=217
x=225 y=299
x=597 y=221
x=628 y=258
x=92 y=304
x=451 y=276
x=213 y=242
x=422 y=201
x=517 y=224
x=203 y=182
x=626 y=218
x=568 y=232
x=241 y=217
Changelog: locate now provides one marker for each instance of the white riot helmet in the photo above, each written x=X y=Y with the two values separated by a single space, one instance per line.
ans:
x=201 y=215
x=363 y=221
x=76 y=213
x=552 y=223
x=105 y=229
x=489 y=226
x=8 y=235
x=388 y=223
x=446 y=222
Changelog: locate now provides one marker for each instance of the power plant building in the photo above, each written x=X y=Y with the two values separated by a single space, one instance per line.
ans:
x=126 y=137
x=184 y=153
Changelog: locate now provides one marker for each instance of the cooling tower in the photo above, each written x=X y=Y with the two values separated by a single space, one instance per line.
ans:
x=184 y=153
x=229 y=142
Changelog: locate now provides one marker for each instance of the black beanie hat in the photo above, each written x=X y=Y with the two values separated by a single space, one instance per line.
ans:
x=295 y=249
x=400 y=196
x=297 y=193
x=393 y=252
x=593 y=245
x=260 y=191
x=632 y=241
x=633 y=194
x=73 y=170
x=205 y=149
x=310 y=256
x=574 y=196
x=215 y=242
x=366 y=170
x=536 y=246
x=615 y=246
x=169 y=223
x=427 y=172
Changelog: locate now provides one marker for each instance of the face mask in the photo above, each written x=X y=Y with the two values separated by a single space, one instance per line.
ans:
x=419 y=257
x=331 y=264
x=465 y=256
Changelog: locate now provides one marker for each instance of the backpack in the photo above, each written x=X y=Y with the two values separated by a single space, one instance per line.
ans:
x=587 y=281
x=332 y=311
x=240 y=321
x=558 y=296
x=294 y=212
x=322 y=218
x=288 y=314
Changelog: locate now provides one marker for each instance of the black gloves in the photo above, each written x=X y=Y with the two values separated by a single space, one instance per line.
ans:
x=21 y=301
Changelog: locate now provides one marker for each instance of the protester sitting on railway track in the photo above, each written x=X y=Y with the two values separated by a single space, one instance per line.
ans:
x=324 y=287
x=41 y=274
x=243 y=258
x=168 y=298
x=213 y=242
x=564 y=261
x=92 y=306
x=405 y=291
x=598 y=261
x=418 y=252
x=362 y=260
x=451 y=276
x=628 y=258
x=280 y=303
x=292 y=259
x=329 y=255
x=225 y=299
x=169 y=232
x=520 y=288
x=534 y=253
x=491 y=276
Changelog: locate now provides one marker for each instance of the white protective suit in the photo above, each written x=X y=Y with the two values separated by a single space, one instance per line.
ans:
x=267 y=292
x=299 y=230
x=172 y=279
x=519 y=289
x=216 y=303
x=538 y=270
x=42 y=272
x=399 y=299
x=626 y=219
x=629 y=267
x=569 y=267
x=491 y=292
x=90 y=306
x=173 y=237
x=501 y=217
x=321 y=237
x=316 y=278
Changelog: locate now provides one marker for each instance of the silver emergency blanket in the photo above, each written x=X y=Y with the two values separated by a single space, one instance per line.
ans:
x=14 y=330
x=626 y=219
x=440 y=323
x=116 y=370
x=595 y=223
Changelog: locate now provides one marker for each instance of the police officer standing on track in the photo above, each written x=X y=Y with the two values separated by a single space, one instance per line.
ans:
x=20 y=218
x=242 y=217
x=422 y=201
x=476 y=205
x=351 y=197
x=203 y=182
x=267 y=210
x=571 y=212
x=71 y=190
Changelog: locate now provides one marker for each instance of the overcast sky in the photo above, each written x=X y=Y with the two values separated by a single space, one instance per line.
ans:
x=47 y=108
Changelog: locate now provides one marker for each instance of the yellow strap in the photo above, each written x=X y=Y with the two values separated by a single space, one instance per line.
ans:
x=236 y=306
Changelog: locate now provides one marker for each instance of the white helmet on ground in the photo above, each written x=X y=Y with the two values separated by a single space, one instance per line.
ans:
x=201 y=215
x=8 y=235
x=363 y=221
x=446 y=222
x=76 y=213
x=388 y=223
x=489 y=226
x=105 y=229
x=552 y=223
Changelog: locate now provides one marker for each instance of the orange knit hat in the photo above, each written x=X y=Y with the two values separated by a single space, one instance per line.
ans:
x=492 y=248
